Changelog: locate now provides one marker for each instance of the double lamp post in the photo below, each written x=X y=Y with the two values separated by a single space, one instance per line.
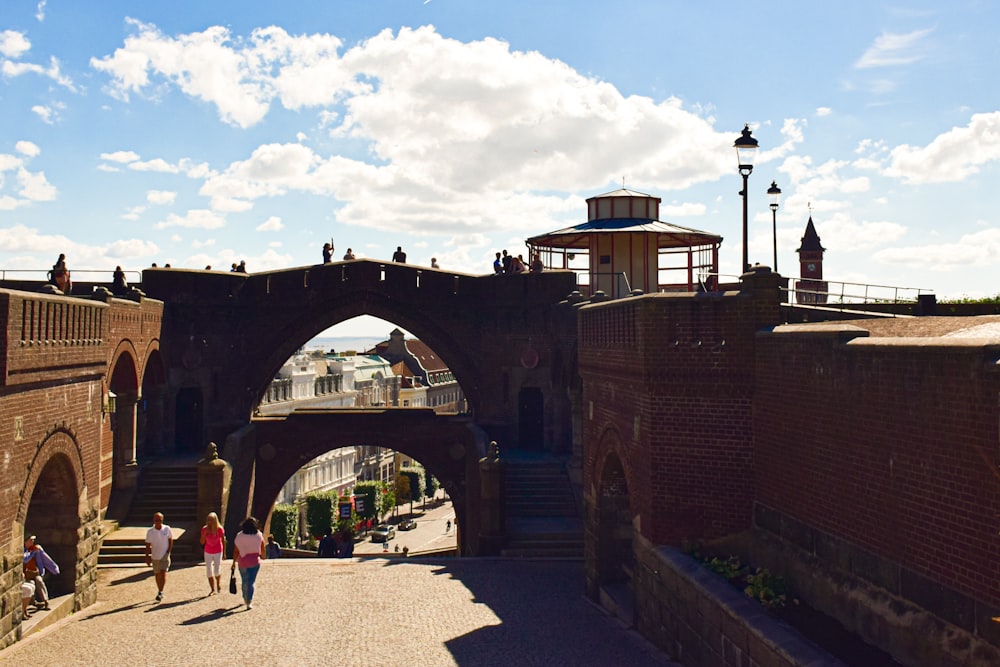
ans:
x=746 y=151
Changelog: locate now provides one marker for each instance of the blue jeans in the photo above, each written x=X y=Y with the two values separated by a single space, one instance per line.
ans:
x=248 y=576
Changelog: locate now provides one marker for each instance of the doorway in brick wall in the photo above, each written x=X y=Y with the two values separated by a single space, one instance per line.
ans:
x=615 y=553
x=53 y=520
x=189 y=415
x=530 y=419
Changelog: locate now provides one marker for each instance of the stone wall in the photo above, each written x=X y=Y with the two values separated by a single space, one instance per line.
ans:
x=698 y=619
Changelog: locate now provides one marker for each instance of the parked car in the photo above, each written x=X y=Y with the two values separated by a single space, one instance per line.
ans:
x=383 y=533
x=407 y=524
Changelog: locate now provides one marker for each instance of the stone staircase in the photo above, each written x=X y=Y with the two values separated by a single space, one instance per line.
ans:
x=170 y=489
x=542 y=516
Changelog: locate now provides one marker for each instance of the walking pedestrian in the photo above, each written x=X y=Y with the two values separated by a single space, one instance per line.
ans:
x=159 y=544
x=248 y=551
x=36 y=565
x=213 y=538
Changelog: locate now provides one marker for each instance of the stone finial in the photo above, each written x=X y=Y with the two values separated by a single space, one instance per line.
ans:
x=494 y=450
x=211 y=452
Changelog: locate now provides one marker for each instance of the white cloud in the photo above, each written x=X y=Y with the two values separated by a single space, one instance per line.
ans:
x=157 y=165
x=978 y=249
x=40 y=10
x=195 y=219
x=891 y=49
x=27 y=148
x=134 y=212
x=841 y=233
x=34 y=186
x=272 y=224
x=123 y=157
x=47 y=115
x=823 y=111
x=668 y=211
x=11 y=69
x=13 y=44
x=160 y=197
x=951 y=156
x=513 y=123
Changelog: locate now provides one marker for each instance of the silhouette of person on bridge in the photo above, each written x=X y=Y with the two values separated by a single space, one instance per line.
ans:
x=327 y=253
x=399 y=255
x=118 y=283
x=349 y=254
x=434 y=263
x=60 y=275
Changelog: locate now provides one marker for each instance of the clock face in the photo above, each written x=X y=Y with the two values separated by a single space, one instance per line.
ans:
x=811 y=267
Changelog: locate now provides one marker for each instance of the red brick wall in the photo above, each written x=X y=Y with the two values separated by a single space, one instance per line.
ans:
x=57 y=352
x=672 y=375
x=880 y=442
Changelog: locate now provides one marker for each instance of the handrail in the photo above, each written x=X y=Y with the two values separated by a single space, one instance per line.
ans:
x=42 y=275
x=847 y=294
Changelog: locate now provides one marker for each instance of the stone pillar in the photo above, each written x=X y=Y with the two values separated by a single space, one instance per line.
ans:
x=491 y=529
x=126 y=472
x=214 y=476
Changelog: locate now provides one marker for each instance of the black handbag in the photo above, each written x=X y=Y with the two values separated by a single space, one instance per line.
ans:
x=232 y=580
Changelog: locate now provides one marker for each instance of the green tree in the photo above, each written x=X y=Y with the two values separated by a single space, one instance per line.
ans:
x=416 y=489
x=369 y=492
x=321 y=511
x=430 y=484
x=285 y=524
x=387 y=501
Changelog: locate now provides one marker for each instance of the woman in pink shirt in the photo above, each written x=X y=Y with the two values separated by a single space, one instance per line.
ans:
x=248 y=551
x=214 y=540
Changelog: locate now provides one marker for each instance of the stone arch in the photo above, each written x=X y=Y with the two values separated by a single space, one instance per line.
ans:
x=151 y=424
x=123 y=387
x=449 y=447
x=276 y=350
x=611 y=526
x=50 y=506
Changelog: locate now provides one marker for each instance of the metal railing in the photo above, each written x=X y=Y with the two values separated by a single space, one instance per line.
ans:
x=619 y=282
x=78 y=275
x=836 y=294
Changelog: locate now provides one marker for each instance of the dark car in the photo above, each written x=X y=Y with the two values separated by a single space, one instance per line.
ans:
x=407 y=524
x=383 y=533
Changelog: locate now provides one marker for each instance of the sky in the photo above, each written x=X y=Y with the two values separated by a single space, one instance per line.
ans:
x=205 y=133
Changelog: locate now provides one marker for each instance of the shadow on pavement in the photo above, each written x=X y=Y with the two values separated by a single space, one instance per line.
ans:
x=540 y=604
x=174 y=603
x=213 y=615
x=116 y=610
x=132 y=578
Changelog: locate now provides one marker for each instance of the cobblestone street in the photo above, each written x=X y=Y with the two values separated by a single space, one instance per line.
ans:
x=377 y=612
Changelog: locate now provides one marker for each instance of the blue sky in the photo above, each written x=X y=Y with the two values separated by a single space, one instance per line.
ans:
x=196 y=133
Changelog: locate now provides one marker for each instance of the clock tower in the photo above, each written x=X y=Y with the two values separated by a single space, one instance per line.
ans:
x=811 y=287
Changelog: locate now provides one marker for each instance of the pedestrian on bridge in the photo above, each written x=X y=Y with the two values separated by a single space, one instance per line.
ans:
x=327 y=253
x=399 y=255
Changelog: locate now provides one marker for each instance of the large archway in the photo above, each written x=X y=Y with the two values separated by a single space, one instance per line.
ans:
x=50 y=508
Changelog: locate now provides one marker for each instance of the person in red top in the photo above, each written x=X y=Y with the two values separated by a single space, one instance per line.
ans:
x=248 y=551
x=213 y=538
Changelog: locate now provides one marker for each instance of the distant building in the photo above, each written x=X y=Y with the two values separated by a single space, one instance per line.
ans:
x=811 y=288
x=425 y=369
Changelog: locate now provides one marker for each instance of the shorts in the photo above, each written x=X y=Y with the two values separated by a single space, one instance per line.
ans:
x=161 y=564
x=27 y=590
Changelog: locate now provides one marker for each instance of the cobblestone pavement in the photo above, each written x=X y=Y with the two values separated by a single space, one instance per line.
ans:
x=355 y=613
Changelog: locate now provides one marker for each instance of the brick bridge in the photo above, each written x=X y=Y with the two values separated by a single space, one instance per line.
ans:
x=508 y=341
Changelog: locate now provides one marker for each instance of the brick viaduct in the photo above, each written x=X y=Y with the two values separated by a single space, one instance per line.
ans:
x=858 y=459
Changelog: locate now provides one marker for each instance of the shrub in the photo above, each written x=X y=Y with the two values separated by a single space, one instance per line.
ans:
x=285 y=524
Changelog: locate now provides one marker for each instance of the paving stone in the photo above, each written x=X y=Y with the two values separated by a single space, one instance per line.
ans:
x=362 y=612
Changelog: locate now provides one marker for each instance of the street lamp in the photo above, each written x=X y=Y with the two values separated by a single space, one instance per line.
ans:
x=746 y=151
x=774 y=192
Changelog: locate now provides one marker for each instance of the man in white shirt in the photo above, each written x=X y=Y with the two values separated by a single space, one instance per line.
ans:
x=159 y=543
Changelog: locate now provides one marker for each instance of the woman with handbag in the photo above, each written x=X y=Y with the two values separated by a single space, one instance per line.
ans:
x=248 y=551
x=213 y=538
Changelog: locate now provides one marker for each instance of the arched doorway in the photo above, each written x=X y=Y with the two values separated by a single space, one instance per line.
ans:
x=615 y=553
x=53 y=518
x=151 y=408
x=530 y=418
x=189 y=415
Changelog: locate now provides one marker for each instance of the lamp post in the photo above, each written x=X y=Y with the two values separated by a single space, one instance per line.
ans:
x=746 y=151
x=774 y=192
